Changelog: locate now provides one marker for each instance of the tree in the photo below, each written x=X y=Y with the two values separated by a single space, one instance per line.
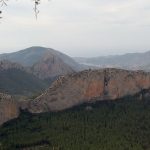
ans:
x=36 y=3
x=0 y=14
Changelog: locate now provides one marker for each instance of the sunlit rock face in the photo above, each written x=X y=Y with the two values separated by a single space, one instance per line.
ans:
x=8 y=108
x=88 y=86
x=77 y=88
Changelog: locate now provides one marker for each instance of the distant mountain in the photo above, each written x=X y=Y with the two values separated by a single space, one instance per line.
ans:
x=33 y=69
x=5 y=65
x=34 y=55
x=26 y=57
x=51 y=65
x=128 y=61
x=146 y=67
x=16 y=80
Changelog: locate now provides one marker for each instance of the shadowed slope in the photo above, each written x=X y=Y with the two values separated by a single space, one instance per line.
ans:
x=15 y=79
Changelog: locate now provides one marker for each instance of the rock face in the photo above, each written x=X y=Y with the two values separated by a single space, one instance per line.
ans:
x=8 y=108
x=77 y=88
x=88 y=86
x=50 y=66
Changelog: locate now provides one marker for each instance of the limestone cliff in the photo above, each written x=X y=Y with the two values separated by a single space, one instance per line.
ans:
x=88 y=86
x=8 y=108
x=77 y=88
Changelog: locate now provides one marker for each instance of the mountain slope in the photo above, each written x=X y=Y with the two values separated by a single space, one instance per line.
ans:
x=45 y=63
x=33 y=55
x=127 y=61
x=14 y=79
x=87 y=87
x=26 y=57
x=50 y=66
x=109 y=125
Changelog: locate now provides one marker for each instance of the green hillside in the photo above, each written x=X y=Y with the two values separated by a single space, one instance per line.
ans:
x=115 y=125
x=16 y=81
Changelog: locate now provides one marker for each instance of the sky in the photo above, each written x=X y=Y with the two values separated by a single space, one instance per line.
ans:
x=85 y=28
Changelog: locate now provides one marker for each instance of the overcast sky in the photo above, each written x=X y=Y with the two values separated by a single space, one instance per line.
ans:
x=77 y=27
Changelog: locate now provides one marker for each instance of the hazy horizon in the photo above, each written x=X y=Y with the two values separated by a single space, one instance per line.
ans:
x=113 y=54
x=78 y=28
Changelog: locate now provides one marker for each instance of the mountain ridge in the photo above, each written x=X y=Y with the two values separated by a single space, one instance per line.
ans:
x=103 y=84
x=134 y=61
x=27 y=56
x=88 y=86
x=35 y=59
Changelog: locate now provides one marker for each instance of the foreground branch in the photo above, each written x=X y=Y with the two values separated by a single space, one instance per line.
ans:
x=36 y=3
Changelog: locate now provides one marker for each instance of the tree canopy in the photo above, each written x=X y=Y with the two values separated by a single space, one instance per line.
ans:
x=108 y=125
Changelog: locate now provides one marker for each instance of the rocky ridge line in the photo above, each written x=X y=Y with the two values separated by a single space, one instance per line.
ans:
x=90 y=85
x=77 y=88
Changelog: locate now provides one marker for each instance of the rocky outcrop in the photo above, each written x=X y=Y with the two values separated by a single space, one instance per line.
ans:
x=8 y=108
x=77 y=88
x=88 y=86
x=50 y=66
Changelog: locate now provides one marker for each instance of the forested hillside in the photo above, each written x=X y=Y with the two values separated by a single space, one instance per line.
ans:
x=109 y=125
x=18 y=82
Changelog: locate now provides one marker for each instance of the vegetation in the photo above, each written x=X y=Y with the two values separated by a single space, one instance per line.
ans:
x=18 y=82
x=112 y=125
